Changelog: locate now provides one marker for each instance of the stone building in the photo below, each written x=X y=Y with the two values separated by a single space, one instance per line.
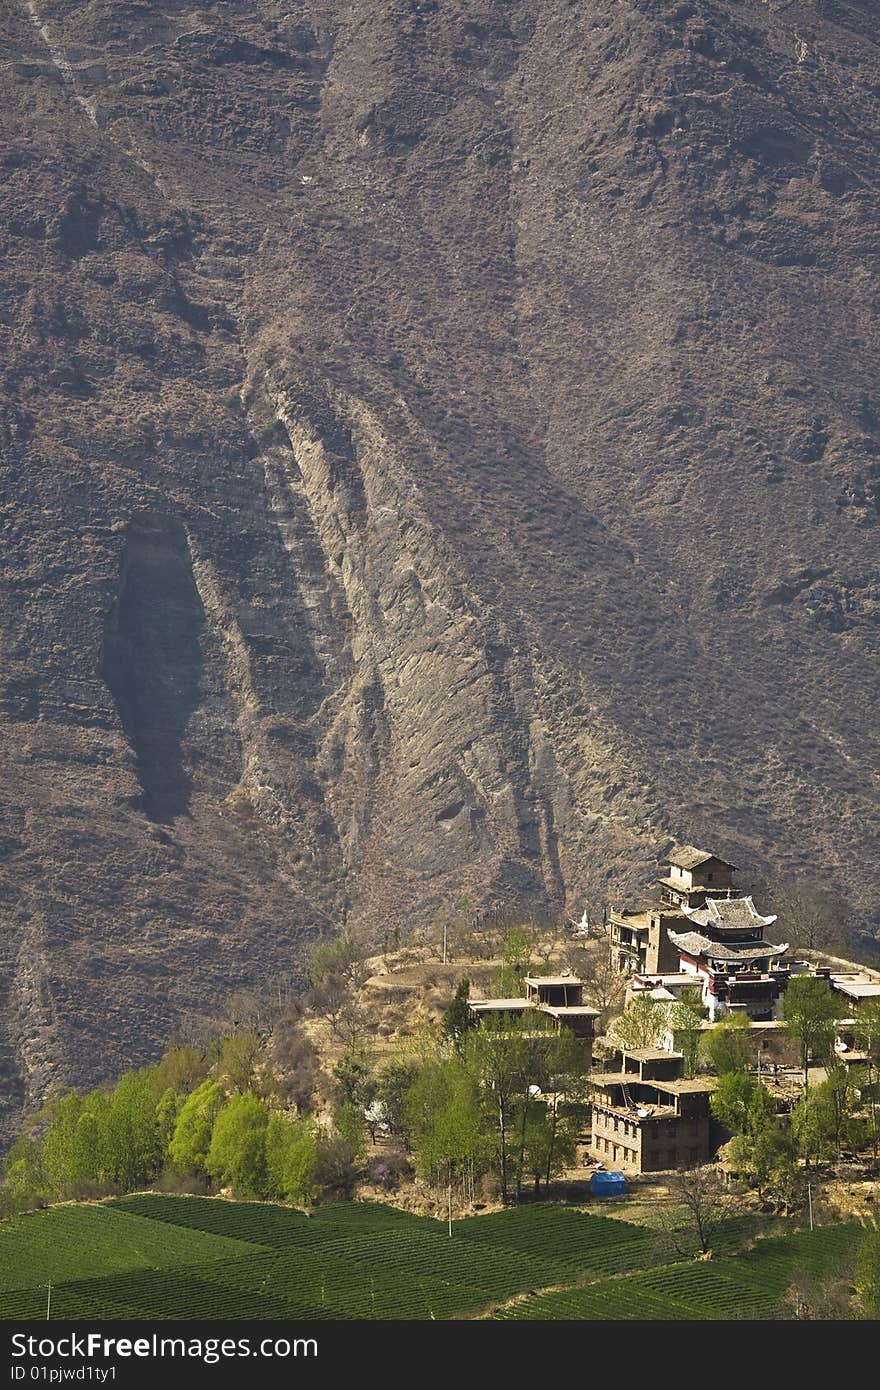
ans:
x=647 y=1116
x=559 y=997
x=695 y=874
x=640 y=936
x=640 y=940
x=723 y=947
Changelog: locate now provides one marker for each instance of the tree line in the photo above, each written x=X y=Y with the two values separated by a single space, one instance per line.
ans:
x=467 y=1108
x=197 y=1121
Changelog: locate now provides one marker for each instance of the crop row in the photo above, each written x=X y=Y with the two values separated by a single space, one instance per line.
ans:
x=165 y=1257
x=745 y=1286
x=341 y=1290
x=588 y=1244
x=498 y=1271
x=254 y=1222
x=63 y=1243
x=277 y=1286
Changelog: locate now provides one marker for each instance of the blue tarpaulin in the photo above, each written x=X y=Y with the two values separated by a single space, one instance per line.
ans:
x=608 y=1184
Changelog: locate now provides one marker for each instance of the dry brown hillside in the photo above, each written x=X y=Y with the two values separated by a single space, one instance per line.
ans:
x=439 y=452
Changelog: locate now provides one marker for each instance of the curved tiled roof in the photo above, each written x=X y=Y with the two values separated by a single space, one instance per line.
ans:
x=728 y=914
x=693 y=944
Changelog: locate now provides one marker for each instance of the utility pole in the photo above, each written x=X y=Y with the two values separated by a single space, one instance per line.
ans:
x=810 y=1202
x=49 y=1300
x=449 y=1194
x=445 y=928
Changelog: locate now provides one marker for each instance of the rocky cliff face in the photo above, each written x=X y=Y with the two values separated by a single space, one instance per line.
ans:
x=440 y=451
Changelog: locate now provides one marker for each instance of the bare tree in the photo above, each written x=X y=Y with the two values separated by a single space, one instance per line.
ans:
x=250 y=1010
x=810 y=917
x=298 y=1063
x=351 y=1022
x=330 y=998
x=700 y=1203
x=829 y=1297
x=605 y=984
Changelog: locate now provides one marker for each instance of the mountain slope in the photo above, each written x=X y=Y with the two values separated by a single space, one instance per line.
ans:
x=440 y=451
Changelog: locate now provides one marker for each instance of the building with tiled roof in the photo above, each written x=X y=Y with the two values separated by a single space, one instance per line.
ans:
x=723 y=946
x=640 y=933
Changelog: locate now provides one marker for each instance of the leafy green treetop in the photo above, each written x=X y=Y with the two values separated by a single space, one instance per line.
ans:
x=641 y=1024
x=188 y=1149
x=292 y=1155
x=516 y=952
x=237 y=1156
x=868 y=1038
x=726 y=1046
x=455 y=1019
x=811 y=1009
x=685 y=1018
x=354 y=1072
x=742 y=1104
x=824 y=1120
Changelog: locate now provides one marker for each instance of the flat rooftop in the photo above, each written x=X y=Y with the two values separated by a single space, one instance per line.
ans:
x=656 y=981
x=497 y=1005
x=857 y=989
x=569 y=1010
x=636 y=918
x=555 y=980
x=681 y=1087
x=649 y=1054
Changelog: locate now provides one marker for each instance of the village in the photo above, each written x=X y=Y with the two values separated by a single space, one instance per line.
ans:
x=675 y=1080
x=673 y=1003
x=697 y=936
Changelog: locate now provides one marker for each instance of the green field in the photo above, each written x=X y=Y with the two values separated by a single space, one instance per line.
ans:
x=158 y=1257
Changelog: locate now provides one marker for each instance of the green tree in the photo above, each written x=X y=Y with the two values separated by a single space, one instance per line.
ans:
x=641 y=1024
x=742 y=1104
x=131 y=1140
x=725 y=1047
x=188 y=1149
x=349 y=1122
x=824 y=1121
x=237 y=1156
x=685 y=1018
x=392 y=1087
x=456 y=1018
x=354 y=1072
x=168 y=1108
x=550 y=1061
x=340 y=959
x=811 y=1009
x=182 y=1069
x=495 y=1058
x=292 y=1153
x=444 y=1121
x=516 y=951
x=764 y=1156
x=72 y=1157
x=24 y=1177
x=551 y=1142
x=239 y=1062
x=868 y=1038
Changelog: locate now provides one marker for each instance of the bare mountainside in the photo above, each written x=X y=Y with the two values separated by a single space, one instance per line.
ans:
x=440 y=451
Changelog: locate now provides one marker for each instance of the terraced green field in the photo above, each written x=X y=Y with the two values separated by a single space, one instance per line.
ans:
x=750 y=1285
x=151 y=1257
